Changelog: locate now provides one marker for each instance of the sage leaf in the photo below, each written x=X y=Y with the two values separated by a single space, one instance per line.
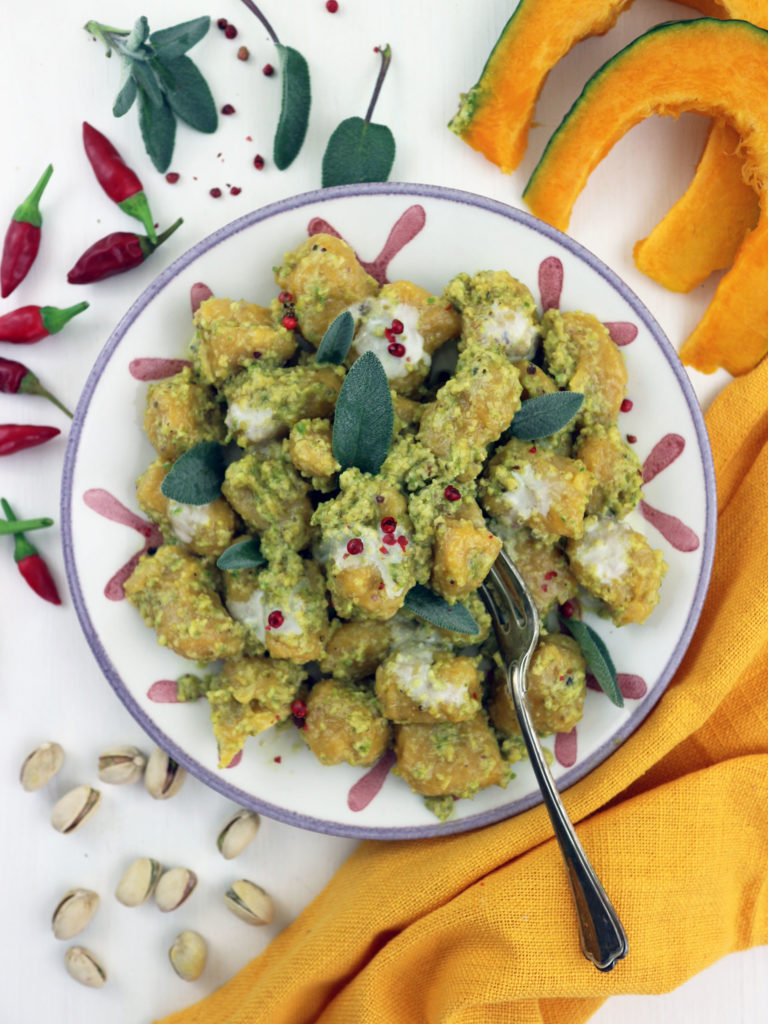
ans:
x=358 y=151
x=243 y=554
x=294 y=108
x=146 y=79
x=188 y=94
x=174 y=41
x=196 y=477
x=435 y=609
x=599 y=661
x=137 y=37
x=364 y=417
x=126 y=97
x=545 y=415
x=337 y=339
x=158 y=130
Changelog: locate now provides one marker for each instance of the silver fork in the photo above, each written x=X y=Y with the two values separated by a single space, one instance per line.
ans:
x=516 y=624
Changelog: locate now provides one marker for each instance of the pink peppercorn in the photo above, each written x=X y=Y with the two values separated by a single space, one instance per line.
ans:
x=268 y=70
x=299 y=709
x=215 y=192
x=290 y=323
x=258 y=162
x=222 y=23
x=355 y=546
x=451 y=493
x=235 y=190
x=388 y=524
x=275 y=619
x=626 y=405
x=396 y=348
x=331 y=6
x=227 y=109
x=397 y=327
x=172 y=177
x=632 y=438
x=230 y=31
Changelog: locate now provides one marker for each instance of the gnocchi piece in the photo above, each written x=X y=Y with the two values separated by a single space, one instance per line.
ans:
x=230 y=335
x=354 y=650
x=206 y=530
x=496 y=310
x=582 y=357
x=618 y=565
x=311 y=452
x=344 y=723
x=175 y=593
x=527 y=485
x=180 y=413
x=616 y=468
x=557 y=686
x=419 y=683
x=324 y=278
x=542 y=565
x=454 y=759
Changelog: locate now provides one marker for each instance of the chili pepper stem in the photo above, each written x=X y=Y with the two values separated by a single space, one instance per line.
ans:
x=54 y=319
x=29 y=209
x=149 y=246
x=20 y=525
x=22 y=549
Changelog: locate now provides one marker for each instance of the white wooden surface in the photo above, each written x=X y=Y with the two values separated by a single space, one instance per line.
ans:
x=52 y=77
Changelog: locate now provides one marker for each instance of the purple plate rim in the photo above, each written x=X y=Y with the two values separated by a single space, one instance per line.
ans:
x=323 y=196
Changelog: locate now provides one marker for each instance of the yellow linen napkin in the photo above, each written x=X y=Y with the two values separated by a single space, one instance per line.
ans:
x=479 y=929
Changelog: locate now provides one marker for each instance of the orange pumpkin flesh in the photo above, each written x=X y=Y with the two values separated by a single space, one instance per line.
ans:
x=720 y=68
x=703 y=230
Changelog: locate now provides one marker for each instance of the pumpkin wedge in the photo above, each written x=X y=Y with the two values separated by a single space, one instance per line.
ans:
x=718 y=68
x=705 y=227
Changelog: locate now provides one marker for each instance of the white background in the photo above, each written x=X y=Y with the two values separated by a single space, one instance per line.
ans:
x=52 y=77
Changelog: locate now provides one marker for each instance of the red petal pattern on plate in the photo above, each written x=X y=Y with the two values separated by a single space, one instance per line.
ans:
x=567 y=748
x=621 y=332
x=405 y=229
x=663 y=454
x=198 y=293
x=550 y=282
x=672 y=529
x=107 y=505
x=146 y=369
x=632 y=687
x=164 y=691
x=366 y=788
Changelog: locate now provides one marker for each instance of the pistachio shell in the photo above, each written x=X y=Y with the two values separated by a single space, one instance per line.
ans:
x=85 y=967
x=121 y=765
x=188 y=955
x=138 y=882
x=74 y=808
x=74 y=911
x=250 y=902
x=237 y=833
x=174 y=887
x=163 y=777
x=41 y=765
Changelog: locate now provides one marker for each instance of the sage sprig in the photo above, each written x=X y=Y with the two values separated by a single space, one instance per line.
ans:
x=165 y=82
x=243 y=554
x=296 y=98
x=544 y=415
x=364 y=417
x=337 y=339
x=425 y=603
x=359 y=150
x=196 y=477
x=599 y=661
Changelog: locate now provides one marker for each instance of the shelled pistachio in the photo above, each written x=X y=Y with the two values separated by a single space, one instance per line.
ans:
x=188 y=955
x=138 y=882
x=237 y=833
x=174 y=887
x=85 y=966
x=249 y=902
x=41 y=765
x=74 y=912
x=121 y=765
x=75 y=808
x=163 y=777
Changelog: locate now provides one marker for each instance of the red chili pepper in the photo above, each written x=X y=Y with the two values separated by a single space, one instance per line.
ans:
x=28 y=324
x=16 y=436
x=18 y=379
x=121 y=184
x=31 y=566
x=22 y=239
x=114 y=254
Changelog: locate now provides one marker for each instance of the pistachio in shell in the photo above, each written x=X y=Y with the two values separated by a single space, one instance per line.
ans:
x=163 y=777
x=249 y=902
x=138 y=882
x=85 y=967
x=121 y=765
x=41 y=765
x=75 y=808
x=74 y=912
x=174 y=887
x=237 y=833
x=188 y=955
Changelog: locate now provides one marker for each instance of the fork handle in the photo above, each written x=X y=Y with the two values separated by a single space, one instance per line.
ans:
x=602 y=937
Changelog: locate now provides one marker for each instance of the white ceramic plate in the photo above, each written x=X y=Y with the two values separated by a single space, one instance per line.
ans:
x=425 y=234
